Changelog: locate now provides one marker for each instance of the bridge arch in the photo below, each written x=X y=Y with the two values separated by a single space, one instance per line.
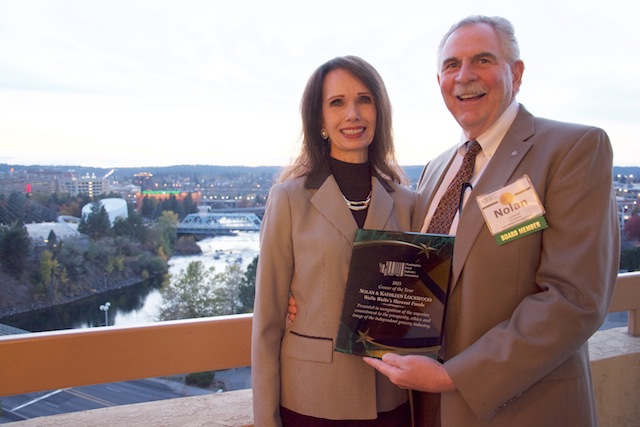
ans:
x=218 y=223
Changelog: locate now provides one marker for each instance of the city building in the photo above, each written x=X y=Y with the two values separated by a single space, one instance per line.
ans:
x=28 y=182
x=87 y=184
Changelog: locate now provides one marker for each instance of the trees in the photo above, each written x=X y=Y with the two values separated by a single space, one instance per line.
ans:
x=51 y=274
x=227 y=291
x=201 y=292
x=632 y=228
x=15 y=248
x=248 y=287
x=131 y=227
x=96 y=224
x=154 y=207
x=148 y=207
x=188 y=205
x=630 y=254
x=68 y=267
x=190 y=295
x=630 y=259
x=163 y=234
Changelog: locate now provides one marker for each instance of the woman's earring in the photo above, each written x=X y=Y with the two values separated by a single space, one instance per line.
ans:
x=324 y=134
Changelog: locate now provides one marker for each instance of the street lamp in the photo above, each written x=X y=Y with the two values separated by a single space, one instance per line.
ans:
x=105 y=307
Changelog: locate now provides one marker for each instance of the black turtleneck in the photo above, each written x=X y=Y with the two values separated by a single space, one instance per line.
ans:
x=354 y=180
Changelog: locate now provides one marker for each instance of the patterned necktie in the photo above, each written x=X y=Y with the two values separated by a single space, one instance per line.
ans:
x=450 y=202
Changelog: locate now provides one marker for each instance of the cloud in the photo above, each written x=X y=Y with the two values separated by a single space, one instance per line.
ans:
x=156 y=81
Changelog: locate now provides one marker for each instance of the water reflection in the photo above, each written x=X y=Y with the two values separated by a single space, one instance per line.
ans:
x=139 y=303
x=85 y=313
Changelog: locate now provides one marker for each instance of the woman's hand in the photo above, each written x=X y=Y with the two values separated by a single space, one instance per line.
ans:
x=292 y=310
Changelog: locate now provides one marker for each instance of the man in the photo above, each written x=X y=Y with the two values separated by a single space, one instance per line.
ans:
x=520 y=312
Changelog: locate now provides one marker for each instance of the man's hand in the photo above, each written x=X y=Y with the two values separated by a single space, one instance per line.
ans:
x=414 y=372
x=292 y=310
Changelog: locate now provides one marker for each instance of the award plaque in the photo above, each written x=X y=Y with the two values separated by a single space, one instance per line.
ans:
x=396 y=293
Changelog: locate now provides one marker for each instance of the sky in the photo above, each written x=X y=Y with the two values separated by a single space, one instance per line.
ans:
x=134 y=83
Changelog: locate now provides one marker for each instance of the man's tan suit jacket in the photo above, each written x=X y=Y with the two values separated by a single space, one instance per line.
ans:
x=520 y=314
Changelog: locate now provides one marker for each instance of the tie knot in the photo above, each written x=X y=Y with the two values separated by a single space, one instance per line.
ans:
x=473 y=149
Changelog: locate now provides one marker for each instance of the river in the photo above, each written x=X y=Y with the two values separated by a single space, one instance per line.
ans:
x=141 y=303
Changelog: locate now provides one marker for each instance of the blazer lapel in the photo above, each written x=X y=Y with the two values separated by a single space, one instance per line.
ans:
x=380 y=208
x=497 y=174
x=327 y=202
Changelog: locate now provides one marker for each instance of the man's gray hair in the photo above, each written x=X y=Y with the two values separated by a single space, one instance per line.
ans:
x=503 y=27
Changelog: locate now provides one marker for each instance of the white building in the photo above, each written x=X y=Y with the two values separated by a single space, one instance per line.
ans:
x=88 y=184
x=40 y=232
x=116 y=208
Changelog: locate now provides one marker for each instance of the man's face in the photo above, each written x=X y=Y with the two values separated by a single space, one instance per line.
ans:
x=476 y=80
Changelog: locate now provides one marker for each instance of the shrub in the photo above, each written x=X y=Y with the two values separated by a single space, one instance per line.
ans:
x=200 y=379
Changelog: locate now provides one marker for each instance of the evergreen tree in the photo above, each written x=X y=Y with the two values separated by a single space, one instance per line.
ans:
x=171 y=204
x=15 y=247
x=52 y=241
x=188 y=206
x=148 y=207
x=132 y=227
x=96 y=224
x=248 y=287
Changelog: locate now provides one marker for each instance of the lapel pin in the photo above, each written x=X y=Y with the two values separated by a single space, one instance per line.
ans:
x=515 y=152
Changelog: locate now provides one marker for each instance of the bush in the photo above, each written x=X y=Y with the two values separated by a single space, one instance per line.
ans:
x=630 y=259
x=186 y=246
x=153 y=264
x=200 y=379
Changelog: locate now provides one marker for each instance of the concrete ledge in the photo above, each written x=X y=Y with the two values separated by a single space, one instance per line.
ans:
x=228 y=409
x=615 y=370
x=615 y=367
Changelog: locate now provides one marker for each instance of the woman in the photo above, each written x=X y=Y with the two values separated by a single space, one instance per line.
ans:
x=345 y=177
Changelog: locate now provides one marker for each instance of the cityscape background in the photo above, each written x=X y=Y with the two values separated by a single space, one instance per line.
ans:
x=109 y=99
x=157 y=82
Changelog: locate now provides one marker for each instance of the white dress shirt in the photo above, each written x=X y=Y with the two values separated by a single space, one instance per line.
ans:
x=489 y=141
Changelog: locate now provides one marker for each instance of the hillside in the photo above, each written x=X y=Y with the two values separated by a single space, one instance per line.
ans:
x=413 y=171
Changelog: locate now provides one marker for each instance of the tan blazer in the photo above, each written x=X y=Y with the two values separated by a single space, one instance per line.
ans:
x=305 y=248
x=520 y=314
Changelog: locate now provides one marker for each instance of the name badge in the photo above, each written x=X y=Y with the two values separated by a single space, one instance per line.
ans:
x=513 y=211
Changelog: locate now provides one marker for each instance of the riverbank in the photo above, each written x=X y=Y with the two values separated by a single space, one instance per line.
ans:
x=19 y=295
x=13 y=302
x=17 y=300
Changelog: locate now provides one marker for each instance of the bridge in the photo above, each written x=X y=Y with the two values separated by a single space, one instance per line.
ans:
x=221 y=223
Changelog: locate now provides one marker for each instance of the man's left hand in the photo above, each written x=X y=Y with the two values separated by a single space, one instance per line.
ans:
x=419 y=373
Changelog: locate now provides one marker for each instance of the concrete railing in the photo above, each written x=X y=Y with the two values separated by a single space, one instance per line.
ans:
x=52 y=360
x=627 y=298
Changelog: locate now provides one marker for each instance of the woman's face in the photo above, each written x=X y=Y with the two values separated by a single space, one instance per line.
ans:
x=348 y=116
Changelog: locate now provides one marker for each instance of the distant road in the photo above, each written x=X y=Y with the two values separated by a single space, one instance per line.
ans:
x=42 y=404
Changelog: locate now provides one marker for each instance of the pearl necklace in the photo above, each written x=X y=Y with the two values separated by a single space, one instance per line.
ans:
x=358 y=205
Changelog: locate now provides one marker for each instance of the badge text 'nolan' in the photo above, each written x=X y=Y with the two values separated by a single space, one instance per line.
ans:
x=512 y=207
